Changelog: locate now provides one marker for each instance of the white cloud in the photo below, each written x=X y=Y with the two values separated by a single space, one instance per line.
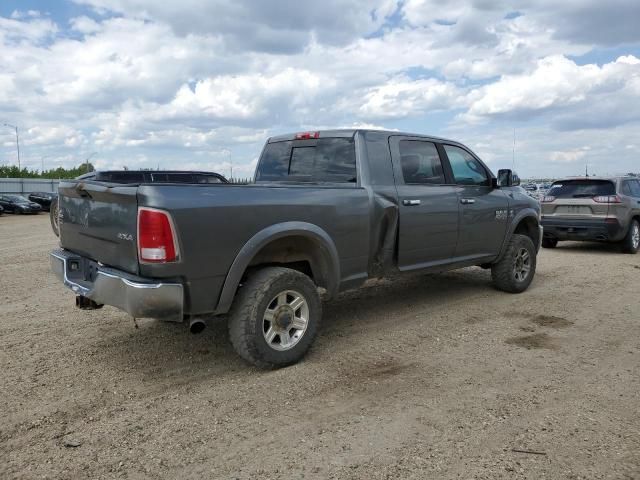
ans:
x=28 y=27
x=569 y=155
x=556 y=83
x=85 y=25
x=277 y=25
x=402 y=97
x=244 y=96
x=47 y=135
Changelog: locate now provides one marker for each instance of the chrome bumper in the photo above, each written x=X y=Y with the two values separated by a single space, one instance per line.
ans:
x=139 y=297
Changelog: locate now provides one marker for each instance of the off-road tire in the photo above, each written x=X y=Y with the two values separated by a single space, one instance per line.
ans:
x=53 y=216
x=629 y=244
x=549 y=242
x=502 y=272
x=247 y=314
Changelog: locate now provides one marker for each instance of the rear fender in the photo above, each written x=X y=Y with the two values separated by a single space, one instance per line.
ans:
x=328 y=257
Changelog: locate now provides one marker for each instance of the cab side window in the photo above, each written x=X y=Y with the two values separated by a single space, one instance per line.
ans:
x=466 y=169
x=635 y=188
x=420 y=163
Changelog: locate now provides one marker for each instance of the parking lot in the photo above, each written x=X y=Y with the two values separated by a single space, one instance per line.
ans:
x=436 y=376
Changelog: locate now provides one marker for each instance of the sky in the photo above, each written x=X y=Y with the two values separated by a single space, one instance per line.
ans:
x=202 y=84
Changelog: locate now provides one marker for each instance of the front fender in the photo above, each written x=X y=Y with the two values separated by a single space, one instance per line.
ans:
x=327 y=249
x=515 y=221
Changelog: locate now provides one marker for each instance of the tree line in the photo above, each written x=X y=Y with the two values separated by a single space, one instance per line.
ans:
x=12 y=171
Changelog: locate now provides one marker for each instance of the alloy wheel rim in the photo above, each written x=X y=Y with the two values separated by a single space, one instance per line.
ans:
x=636 y=236
x=285 y=320
x=521 y=265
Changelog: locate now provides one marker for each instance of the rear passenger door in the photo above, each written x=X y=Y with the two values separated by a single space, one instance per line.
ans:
x=428 y=204
x=483 y=209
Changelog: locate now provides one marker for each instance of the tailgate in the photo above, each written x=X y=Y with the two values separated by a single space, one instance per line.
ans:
x=100 y=222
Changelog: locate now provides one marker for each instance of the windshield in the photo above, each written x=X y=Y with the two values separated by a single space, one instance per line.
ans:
x=317 y=160
x=582 y=188
x=16 y=198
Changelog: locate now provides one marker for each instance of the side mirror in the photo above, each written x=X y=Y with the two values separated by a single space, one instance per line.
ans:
x=507 y=178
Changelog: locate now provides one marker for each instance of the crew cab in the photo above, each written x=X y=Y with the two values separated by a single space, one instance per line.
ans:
x=327 y=211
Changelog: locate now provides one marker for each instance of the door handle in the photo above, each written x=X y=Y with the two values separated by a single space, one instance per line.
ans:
x=411 y=203
x=467 y=201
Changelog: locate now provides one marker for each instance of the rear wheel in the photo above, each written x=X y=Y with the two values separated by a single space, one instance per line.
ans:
x=515 y=270
x=53 y=217
x=549 y=242
x=275 y=317
x=631 y=243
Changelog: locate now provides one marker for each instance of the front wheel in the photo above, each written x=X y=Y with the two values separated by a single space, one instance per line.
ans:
x=275 y=317
x=631 y=242
x=515 y=270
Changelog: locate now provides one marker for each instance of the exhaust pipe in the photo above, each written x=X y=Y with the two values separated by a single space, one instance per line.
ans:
x=84 y=303
x=197 y=325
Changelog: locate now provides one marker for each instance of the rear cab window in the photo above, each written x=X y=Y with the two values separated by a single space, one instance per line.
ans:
x=581 y=188
x=322 y=160
x=420 y=162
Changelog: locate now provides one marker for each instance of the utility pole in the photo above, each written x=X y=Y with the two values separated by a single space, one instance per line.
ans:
x=42 y=162
x=17 y=141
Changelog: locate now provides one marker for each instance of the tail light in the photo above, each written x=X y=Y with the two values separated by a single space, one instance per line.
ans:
x=607 y=199
x=156 y=237
x=548 y=199
x=307 y=135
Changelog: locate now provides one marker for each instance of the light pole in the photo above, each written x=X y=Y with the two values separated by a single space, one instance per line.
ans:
x=87 y=161
x=17 y=141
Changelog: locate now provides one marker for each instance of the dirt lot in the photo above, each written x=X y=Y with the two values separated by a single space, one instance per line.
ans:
x=425 y=377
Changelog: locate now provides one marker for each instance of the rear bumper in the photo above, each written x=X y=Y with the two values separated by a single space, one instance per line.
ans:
x=576 y=229
x=139 y=297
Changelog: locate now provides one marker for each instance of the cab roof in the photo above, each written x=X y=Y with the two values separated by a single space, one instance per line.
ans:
x=350 y=132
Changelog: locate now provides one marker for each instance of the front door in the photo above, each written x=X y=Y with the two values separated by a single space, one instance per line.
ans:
x=428 y=204
x=484 y=210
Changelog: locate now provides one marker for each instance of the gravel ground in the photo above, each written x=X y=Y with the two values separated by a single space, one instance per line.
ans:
x=436 y=376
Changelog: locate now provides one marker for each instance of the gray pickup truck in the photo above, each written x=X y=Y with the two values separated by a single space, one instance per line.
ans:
x=328 y=210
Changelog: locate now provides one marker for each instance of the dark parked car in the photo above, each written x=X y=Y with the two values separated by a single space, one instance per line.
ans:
x=328 y=209
x=154 y=176
x=18 y=204
x=43 y=199
x=139 y=177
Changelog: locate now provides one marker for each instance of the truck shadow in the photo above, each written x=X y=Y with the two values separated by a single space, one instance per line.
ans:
x=161 y=351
